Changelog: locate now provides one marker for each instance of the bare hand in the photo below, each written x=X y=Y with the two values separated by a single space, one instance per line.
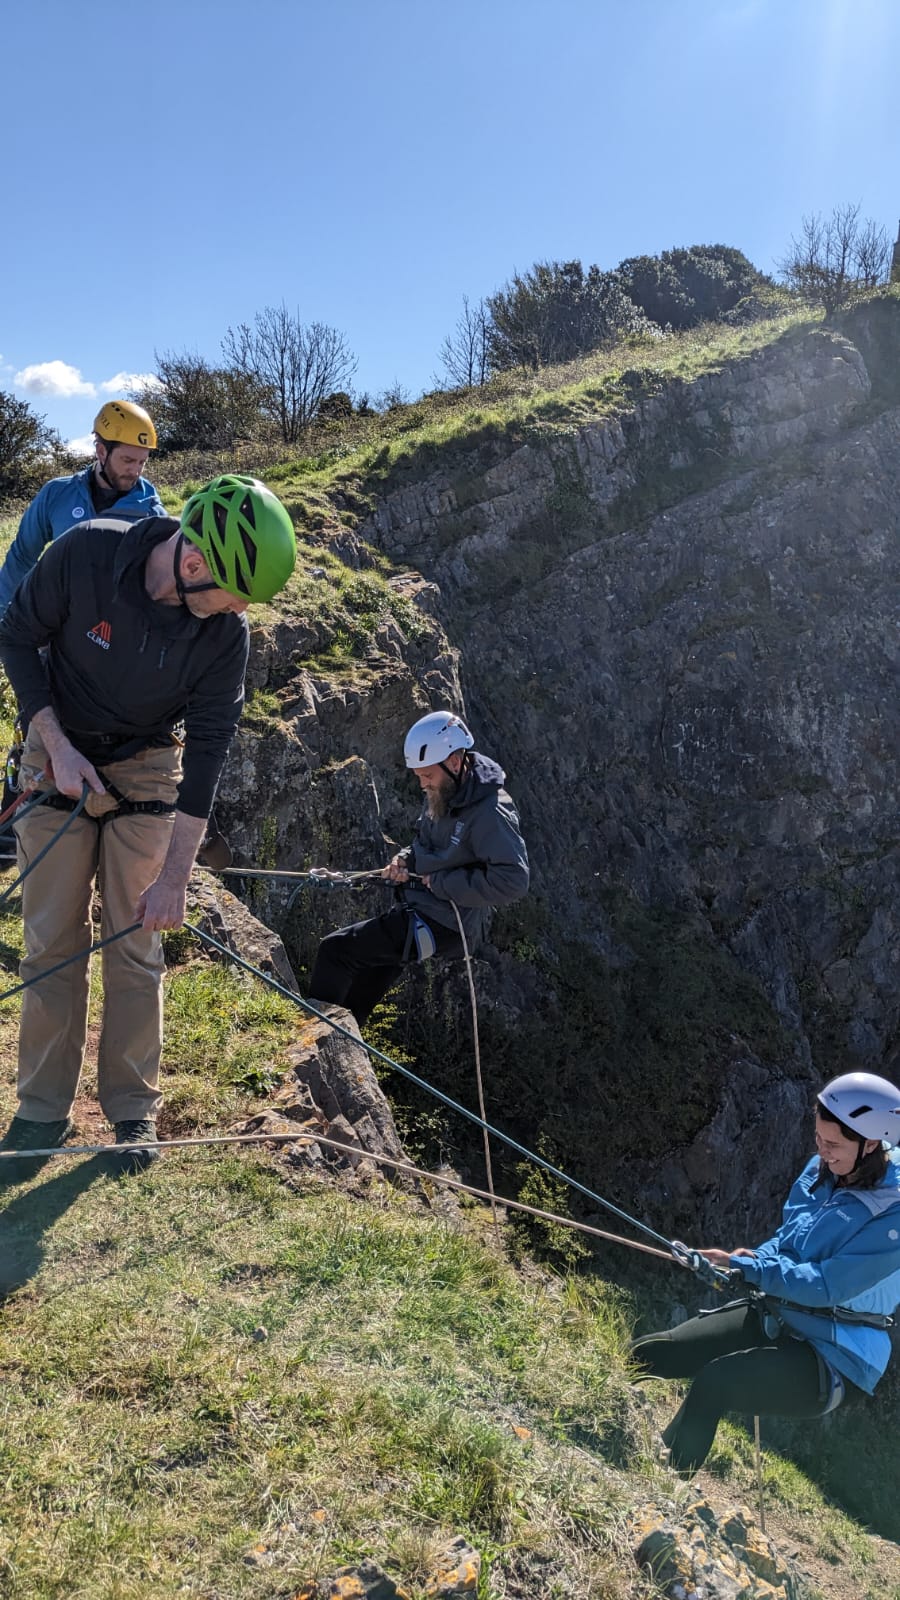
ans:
x=69 y=770
x=718 y=1258
x=396 y=871
x=162 y=906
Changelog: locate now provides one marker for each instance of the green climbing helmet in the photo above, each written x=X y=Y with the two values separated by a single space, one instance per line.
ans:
x=244 y=535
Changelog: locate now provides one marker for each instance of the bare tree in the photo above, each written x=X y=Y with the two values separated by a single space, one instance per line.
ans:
x=836 y=257
x=296 y=364
x=465 y=353
x=197 y=406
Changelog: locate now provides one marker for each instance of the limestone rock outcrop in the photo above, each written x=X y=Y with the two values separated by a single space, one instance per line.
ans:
x=677 y=628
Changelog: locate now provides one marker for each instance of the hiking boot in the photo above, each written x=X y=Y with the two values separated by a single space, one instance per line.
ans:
x=23 y=1134
x=142 y=1131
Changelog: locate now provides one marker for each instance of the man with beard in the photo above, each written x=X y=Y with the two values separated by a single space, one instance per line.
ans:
x=124 y=435
x=467 y=853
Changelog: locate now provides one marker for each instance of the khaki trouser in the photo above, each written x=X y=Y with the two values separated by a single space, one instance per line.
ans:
x=124 y=855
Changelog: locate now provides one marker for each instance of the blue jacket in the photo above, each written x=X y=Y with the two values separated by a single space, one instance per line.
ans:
x=836 y=1247
x=59 y=505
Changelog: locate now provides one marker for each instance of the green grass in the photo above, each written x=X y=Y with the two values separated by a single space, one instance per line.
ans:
x=207 y=1362
x=207 y=1370
x=514 y=406
x=220 y=1379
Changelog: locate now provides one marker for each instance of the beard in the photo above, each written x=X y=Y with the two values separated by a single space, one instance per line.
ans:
x=437 y=800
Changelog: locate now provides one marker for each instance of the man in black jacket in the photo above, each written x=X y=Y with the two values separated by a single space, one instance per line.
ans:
x=467 y=853
x=143 y=628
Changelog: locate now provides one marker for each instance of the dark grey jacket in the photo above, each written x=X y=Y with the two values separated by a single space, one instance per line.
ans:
x=475 y=855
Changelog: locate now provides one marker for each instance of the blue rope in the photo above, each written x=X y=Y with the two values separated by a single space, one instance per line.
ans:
x=79 y=807
x=679 y=1251
x=79 y=955
x=454 y=1105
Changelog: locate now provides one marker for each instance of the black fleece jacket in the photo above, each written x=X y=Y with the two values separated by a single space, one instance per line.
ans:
x=120 y=664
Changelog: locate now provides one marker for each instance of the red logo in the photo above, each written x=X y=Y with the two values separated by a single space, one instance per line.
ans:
x=101 y=634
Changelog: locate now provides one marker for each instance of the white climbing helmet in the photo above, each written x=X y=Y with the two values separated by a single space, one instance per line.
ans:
x=868 y=1105
x=435 y=737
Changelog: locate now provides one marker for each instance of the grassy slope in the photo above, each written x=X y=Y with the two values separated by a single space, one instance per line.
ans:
x=368 y=456
x=220 y=1381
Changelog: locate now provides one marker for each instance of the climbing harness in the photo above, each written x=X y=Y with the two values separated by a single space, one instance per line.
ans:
x=865 y=1319
x=121 y=806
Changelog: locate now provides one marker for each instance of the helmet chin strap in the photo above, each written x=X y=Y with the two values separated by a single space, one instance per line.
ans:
x=183 y=589
x=463 y=768
x=101 y=465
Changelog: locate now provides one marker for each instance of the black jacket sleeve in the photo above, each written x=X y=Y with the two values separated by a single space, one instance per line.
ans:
x=211 y=717
x=37 y=610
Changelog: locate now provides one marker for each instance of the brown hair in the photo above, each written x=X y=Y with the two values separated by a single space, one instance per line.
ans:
x=869 y=1170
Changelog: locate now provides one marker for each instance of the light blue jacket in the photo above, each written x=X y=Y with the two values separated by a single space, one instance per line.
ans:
x=59 y=505
x=836 y=1247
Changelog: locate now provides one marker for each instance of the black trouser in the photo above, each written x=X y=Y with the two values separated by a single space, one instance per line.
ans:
x=357 y=965
x=735 y=1367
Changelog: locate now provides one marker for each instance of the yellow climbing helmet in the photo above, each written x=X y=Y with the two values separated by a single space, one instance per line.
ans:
x=122 y=422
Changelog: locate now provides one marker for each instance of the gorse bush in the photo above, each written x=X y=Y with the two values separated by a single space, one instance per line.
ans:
x=682 y=288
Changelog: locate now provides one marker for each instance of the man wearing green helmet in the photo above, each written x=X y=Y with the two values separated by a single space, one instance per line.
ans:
x=142 y=628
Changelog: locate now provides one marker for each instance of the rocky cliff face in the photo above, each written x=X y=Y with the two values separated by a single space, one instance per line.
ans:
x=678 y=631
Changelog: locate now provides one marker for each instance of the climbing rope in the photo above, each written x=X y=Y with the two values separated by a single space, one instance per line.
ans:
x=80 y=955
x=667 y=1252
x=447 y=1100
x=297 y=1136
x=6 y=817
x=318 y=877
x=671 y=1249
x=478 y=1080
x=37 y=800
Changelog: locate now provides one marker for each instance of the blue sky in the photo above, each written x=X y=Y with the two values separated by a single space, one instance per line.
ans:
x=180 y=165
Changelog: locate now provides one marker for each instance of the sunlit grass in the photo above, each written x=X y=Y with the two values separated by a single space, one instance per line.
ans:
x=185 y=1384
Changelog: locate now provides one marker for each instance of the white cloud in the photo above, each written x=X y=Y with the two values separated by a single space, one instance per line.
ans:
x=123 y=381
x=55 y=378
x=81 y=447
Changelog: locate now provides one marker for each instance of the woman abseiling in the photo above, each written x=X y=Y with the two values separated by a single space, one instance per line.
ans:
x=821 y=1290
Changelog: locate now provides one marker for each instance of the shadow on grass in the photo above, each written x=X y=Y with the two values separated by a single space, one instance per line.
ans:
x=28 y=1217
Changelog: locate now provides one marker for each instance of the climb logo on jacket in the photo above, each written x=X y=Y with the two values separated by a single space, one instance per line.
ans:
x=101 y=634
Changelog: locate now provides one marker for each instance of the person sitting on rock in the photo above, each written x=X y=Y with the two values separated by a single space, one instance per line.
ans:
x=822 y=1288
x=467 y=852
